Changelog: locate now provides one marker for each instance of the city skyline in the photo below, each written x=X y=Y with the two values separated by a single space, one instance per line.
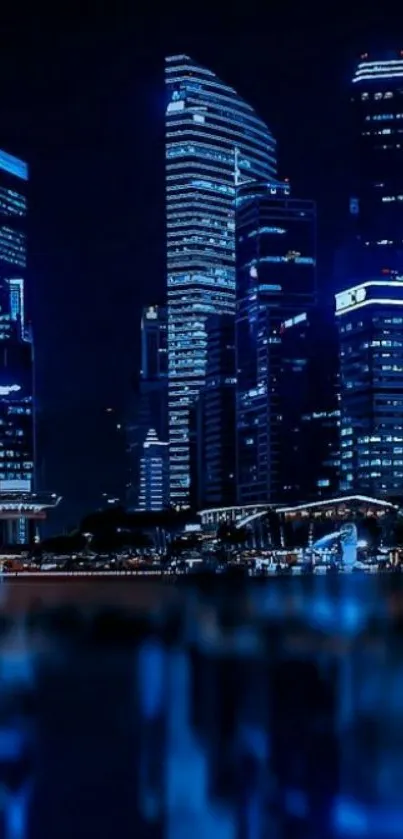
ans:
x=304 y=160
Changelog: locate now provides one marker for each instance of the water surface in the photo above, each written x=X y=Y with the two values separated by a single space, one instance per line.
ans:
x=216 y=711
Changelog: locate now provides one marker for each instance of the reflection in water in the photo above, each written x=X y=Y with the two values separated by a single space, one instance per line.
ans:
x=272 y=710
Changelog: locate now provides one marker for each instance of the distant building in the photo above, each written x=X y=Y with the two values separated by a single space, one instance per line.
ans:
x=112 y=465
x=16 y=417
x=370 y=322
x=197 y=436
x=154 y=344
x=13 y=219
x=17 y=426
x=214 y=140
x=276 y=281
x=154 y=474
x=376 y=202
x=310 y=409
x=149 y=409
x=212 y=427
x=17 y=468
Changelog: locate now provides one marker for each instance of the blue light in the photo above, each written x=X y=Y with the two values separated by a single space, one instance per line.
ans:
x=13 y=165
x=204 y=130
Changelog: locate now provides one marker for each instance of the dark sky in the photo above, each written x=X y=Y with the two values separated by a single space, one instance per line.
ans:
x=82 y=100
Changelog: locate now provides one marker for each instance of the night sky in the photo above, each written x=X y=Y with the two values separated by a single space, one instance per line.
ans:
x=83 y=101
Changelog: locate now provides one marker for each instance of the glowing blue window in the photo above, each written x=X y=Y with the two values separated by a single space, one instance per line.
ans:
x=13 y=165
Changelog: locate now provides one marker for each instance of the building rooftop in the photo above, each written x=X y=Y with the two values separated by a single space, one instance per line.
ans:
x=368 y=70
x=28 y=500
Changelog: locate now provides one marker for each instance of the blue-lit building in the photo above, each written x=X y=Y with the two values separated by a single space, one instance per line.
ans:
x=213 y=420
x=16 y=351
x=214 y=140
x=276 y=281
x=13 y=245
x=310 y=409
x=149 y=407
x=154 y=474
x=16 y=360
x=13 y=218
x=154 y=351
x=376 y=204
x=370 y=323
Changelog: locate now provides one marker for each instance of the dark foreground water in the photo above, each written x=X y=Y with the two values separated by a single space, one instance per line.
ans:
x=140 y=709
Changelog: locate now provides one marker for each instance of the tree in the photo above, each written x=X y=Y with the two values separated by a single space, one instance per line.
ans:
x=231 y=536
x=64 y=544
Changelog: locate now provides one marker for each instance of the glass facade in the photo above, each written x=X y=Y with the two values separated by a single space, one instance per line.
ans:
x=370 y=322
x=154 y=349
x=310 y=410
x=276 y=280
x=214 y=140
x=215 y=468
x=149 y=409
x=13 y=215
x=16 y=417
x=16 y=356
x=376 y=206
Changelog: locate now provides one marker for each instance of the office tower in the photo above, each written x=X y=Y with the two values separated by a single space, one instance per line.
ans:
x=310 y=409
x=154 y=474
x=16 y=417
x=13 y=246
x=212 y=423
x=276 y=280
x=13 y=214
x=16 y=358
x=213 y=141
x=112 y=465
x=197 y=452
x=376 y=204
x=149 y=409
x=154 y=358
x=370 y=323
x=153 y=390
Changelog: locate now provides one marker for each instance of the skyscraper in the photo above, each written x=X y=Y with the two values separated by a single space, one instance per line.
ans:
x=16 y=360
x=154 y=465
x=310 y=410
x=213 y=141
x=214 y=471
x=276 y=280
x=150 y=399
x=370 y=321
x=154 y=357
x=376 y=203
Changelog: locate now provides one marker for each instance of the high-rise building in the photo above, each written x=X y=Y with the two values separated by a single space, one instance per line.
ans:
x=154 y=474
x=154 y=347
x=370 y=322
x=214 y=418
x=13 y=217
x=149 y=409
x=276 y=280
x=214 y=140
x=16 y=359
x=111 y=467
x=376 y=204
x=16 y=417
x=310 y=409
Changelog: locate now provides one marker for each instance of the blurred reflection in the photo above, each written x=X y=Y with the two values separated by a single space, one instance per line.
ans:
x=271 y=710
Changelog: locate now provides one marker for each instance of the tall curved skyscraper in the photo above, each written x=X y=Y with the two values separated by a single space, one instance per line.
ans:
x=214 y=141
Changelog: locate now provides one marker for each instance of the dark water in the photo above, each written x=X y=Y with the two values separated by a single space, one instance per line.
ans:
x=262 y=710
